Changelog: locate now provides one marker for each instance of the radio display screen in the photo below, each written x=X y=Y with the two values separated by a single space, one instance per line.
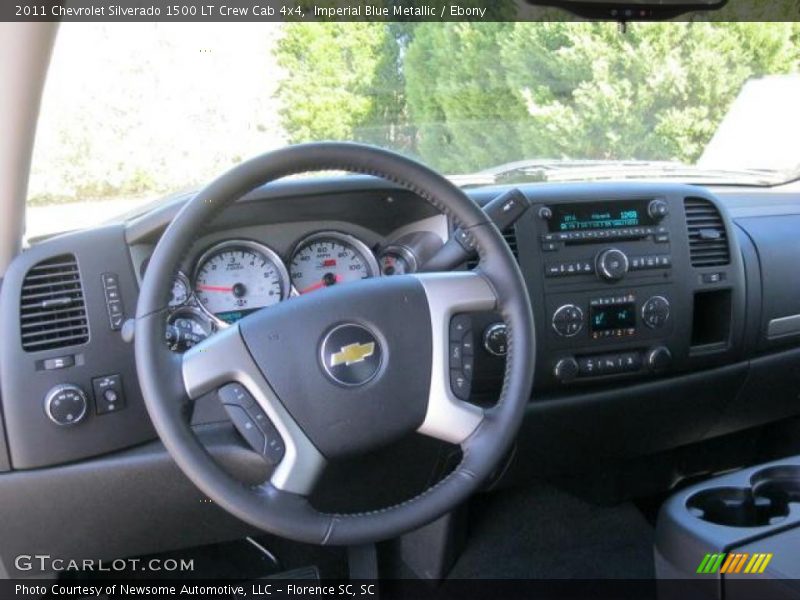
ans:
x=592 y=216
x=615 y=316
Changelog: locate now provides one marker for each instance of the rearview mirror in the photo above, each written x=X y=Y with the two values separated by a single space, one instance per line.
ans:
x=632 y=10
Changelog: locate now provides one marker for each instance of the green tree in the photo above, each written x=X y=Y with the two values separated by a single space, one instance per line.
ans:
x=344 y=82
x=482 y=94
x=465 y=96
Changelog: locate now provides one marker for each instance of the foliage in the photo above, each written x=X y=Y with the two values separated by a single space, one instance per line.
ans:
x=480 y=94
x=344 y=82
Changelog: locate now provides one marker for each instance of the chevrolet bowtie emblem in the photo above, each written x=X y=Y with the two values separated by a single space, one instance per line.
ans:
x=352 y=353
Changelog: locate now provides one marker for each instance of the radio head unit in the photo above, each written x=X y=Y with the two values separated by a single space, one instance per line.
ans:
x=615 y=214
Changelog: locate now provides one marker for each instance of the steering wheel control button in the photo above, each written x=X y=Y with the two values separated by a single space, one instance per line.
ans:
x=655 y=312
x=460 y=384
x=462 y=352
x=66 y=404
x=237 y=395
x=351 y=354
x=246 y=425
x=568 y=320
x=612 y=264
x=108 y=394
x=495 y=339
x=114 y=307
x=456 y=355
x=252 y=422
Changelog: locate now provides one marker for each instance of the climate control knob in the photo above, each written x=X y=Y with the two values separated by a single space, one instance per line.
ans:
x=66 y=404
x=568 y=320
x=611 y=264
x=658 y=359
x=566 y=370
x=655 y=312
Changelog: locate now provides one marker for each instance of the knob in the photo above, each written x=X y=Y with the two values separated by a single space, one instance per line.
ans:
x=612 y=264
x=545 y=213
x=568 y=320
x=658 y=359
x=566 y=370
x=65 y=404
x=655 y=312
x=495 y=339
x=658 y=209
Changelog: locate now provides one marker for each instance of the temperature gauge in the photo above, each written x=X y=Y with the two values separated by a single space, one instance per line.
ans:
x=397 y=260
x=180 y=291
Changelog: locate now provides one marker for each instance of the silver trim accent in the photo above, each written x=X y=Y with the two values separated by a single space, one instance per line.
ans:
x=555 y=314
x=448 y=418
x=361 y=247
x=403 y=252
x=224 y=358
x=666 y=317
x=48 y=400
x=601 y=266
x=268 y=252
x=783 y=326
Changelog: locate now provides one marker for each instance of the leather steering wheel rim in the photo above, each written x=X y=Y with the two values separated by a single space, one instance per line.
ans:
x=276 y=506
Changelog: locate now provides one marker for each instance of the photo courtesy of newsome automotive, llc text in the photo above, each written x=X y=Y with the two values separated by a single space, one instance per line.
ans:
x=400 y=299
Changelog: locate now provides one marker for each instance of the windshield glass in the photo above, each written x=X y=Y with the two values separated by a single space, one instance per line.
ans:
x=135 y=111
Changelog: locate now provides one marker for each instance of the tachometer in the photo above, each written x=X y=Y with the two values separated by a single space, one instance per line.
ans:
x=330 y=258
x=235 y=278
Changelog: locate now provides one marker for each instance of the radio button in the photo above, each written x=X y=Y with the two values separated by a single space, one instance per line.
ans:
x=658 y=209
x=566 y=370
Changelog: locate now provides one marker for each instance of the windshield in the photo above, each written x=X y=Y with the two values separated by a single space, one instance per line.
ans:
x=132 y=112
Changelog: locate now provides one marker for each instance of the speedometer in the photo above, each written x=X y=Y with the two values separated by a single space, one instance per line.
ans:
x=235 y=278
x=330 y=258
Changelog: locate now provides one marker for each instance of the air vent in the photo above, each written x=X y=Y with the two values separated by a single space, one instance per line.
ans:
x=52 y=308
x=708 y=242
x=510 y=237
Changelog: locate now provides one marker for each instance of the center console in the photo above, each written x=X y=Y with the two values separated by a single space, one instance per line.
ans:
x=625 y=283
x=739 y=528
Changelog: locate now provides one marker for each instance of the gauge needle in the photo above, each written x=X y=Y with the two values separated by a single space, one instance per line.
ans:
x=214 y=288
x=318 y=285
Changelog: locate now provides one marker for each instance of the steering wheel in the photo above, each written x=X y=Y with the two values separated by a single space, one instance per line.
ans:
x=341 y=371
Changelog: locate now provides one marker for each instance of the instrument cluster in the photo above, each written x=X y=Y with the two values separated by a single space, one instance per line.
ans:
x=236 y=277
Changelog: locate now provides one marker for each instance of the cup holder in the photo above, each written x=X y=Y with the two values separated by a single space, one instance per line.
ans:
x=736 y=507
x=765 y=502
x=782 y=483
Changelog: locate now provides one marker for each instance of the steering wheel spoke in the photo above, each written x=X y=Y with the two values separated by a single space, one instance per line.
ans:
x=223 y=363
x=449 y=418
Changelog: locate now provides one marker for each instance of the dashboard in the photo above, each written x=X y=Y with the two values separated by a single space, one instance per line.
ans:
x=227 y=279
x=663 y=312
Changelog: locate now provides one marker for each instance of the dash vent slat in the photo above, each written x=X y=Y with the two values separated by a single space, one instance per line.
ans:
x=708 y=240
x=510 y=237
x=52 y=306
